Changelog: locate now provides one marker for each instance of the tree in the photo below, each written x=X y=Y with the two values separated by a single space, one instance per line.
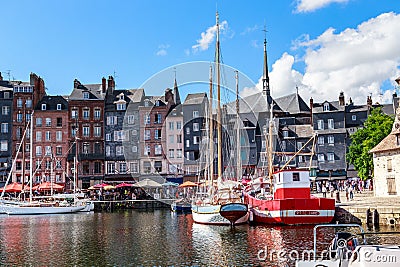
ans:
x=377 y=126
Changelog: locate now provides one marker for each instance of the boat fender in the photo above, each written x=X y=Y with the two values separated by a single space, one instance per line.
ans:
x=251 y=218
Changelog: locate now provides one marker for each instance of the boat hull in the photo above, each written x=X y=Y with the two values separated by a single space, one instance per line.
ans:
x=210 y=214
x=33 y=210
x=181 y=207
x=233 y=211
x=291 y=211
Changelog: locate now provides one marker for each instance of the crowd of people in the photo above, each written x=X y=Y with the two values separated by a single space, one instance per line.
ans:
x=350 y=186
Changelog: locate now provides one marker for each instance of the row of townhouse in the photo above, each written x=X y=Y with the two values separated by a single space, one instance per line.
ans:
x=123 y=135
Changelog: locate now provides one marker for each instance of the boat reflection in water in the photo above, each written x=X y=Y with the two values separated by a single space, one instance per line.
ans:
x=147 y=238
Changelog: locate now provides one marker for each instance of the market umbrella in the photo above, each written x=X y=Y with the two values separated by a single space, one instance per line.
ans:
x=14 y=187
x=47 y=186
x=187 y=184
x=108 y=187
x=147 y=183
x=123 y=185
x=98 y=186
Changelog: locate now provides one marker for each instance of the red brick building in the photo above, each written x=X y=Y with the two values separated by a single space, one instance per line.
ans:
x=85 y=120
x=26 y=95
x=50 y=139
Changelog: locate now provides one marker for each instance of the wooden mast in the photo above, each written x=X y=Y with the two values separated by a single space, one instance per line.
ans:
x=219 y=115
x=211 y=132
x=238 y=159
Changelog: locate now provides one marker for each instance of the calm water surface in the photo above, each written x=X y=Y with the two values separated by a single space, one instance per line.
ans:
x=147 y=238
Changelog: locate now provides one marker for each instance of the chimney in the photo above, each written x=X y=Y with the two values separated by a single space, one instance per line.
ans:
x=1 y=77
x=76 y=83
x=311 y=109
x=369 y=101
x=110 y=83
x=350 y=101
x=103 y=85
x=32 y=78
x=341 y=99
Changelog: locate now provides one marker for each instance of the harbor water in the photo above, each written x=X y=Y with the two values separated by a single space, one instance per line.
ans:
x=151 y=238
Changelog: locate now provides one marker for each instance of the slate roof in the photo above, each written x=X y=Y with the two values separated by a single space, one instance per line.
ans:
x=51 y=102
x=292 y=104
x=95 y=92
x=195 y=99
x=333 y=106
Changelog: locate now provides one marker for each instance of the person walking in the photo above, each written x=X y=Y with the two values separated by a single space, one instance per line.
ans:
x=323 y=189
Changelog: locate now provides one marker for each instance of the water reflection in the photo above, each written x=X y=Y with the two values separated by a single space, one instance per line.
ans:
x=148 y=238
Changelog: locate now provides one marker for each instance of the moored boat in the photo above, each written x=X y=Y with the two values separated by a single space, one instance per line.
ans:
x=234 y=211
x=40 y=208
x=206 y=208
x=290 y=203
x=181 y=205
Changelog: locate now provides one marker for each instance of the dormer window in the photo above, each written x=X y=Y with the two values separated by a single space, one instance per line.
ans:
x=121 y=97
x=157 y=103
x=121 y=106
x=146 y=103
x=285 y=133
x=326 y=107
x=85 y=95
x=58 y=106
x=44 y=106
x=353 y=117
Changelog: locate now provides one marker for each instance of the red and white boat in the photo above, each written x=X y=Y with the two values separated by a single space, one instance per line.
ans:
x=290 y=203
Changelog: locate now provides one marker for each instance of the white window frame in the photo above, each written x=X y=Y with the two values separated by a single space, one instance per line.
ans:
x=320 y=124
x=331 y=124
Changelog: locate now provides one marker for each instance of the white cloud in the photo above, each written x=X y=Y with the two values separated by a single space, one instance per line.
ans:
x=312 y=5
x=356 y=61
x=250 y=29
x=162 y=50
x=208 y=36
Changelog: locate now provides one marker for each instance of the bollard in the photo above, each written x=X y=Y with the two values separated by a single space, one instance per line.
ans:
x=376 y=217
x=369 y=217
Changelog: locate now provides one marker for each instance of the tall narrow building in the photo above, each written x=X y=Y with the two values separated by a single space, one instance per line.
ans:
x=25 y=98
x=122 y=129
x=6 y=104
x=86 y=137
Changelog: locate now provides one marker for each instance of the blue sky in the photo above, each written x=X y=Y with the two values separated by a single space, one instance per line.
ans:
x=321 y=46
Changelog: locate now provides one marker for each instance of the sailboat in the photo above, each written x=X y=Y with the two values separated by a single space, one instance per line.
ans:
x=37 y=207
x=288 y=200
x=220 y=204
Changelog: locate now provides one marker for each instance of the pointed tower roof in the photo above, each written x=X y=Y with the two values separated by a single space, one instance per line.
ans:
x=177 y=98
x=265 y=79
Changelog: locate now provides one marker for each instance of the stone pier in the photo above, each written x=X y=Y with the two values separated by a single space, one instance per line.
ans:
x=367 y=209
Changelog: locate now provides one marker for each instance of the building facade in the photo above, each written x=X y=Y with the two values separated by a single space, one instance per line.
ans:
x=194 y=117
x=152 y=115
x=26 y=95
x=50 y=140
x=86 y=137
x=6 y=105
x=122 y=133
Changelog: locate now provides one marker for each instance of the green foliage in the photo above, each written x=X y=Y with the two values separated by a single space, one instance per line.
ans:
x=377 y=126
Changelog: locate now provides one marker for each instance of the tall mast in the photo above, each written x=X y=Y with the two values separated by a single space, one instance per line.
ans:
x=238 y=159
x=265 y=79
x=30 y=157
x=211 y=131
x=219 y=115
x=270 y=145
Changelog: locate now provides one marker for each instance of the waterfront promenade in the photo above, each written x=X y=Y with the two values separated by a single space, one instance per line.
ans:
x=388 y=208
